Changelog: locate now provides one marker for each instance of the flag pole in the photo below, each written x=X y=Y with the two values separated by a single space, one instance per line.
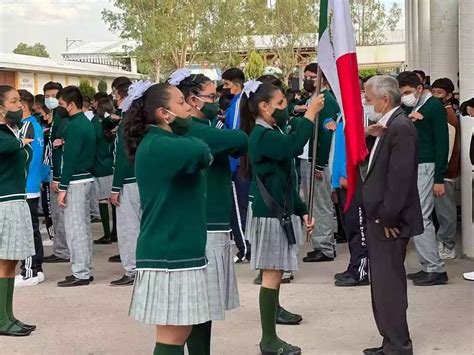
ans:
x=314 y=151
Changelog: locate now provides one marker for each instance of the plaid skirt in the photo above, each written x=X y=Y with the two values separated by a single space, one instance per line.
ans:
x=103 y=186
x=16 y=231
x=222 y=288
x=170 y=297
x=270 y=249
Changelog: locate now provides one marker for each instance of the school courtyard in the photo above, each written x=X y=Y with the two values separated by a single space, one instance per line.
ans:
x=93 y=320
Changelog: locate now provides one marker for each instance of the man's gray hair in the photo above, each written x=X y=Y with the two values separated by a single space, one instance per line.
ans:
x=385 y=85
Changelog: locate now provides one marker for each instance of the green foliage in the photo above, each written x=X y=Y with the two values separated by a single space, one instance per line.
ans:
x=86 y=88
x=371 y=19
x=37 y=50
x=255 y=66
x=368 y=72
x=102 y=86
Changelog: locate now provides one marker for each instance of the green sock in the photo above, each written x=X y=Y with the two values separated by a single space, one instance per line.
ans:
x=104 y=216
x=199 y=341
x=5 y=322
x=114 y=223
x=268 y=313
x=167 y=349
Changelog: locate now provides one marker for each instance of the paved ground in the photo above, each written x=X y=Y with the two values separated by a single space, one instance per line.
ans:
x=93 y=320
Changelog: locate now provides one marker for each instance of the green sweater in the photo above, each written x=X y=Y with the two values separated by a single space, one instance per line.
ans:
x=57 y=132
x=14 y=161
x=433 y=137
x=124 y=171
x=172 y=185
x=79 y=150
x=271 y=154
x=223 y=143
x=103 y=161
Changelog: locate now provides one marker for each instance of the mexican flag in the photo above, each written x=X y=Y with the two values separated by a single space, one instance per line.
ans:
x=338 y=60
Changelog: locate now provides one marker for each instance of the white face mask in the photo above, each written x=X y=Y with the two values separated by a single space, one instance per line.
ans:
x=51 y=102
x=409 y=100
x=369 y=112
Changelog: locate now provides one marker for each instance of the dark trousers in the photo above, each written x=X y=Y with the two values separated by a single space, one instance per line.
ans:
x=389 y=289
x=32 y=265
x=238 y=217
x=354 y=225
x=46 y=206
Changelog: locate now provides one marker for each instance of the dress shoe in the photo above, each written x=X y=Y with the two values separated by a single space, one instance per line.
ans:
x=287 y=318
x=258 y=279
x=416 y=275
x=115 y=259
x=350 y=282
x=341 y=275
x=318 y=257
x=312 y=253
x=104 y=240
x=374 y=351
x=284 y=349
x=340 y=239
x=124 y=281
x=53 y=259
x=431 y=279
x=22 y=332
x=71 y=277
x=95 y=219
x=72 y=281
x=287 y=277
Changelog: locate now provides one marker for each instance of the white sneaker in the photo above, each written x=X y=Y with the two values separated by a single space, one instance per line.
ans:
x=469 y=276
x=447 y=254
x=40 y=277
x=23 y=281
x=47 y=243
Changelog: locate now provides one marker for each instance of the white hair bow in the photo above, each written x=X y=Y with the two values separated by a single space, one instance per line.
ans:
x=178 y=76
x=135 y=91
x=251 y=86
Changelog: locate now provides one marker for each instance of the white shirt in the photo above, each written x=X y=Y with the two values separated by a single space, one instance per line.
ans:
x=383 y=121
x=89 y=115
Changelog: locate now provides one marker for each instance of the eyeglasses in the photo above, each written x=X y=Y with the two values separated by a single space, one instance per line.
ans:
x=212 y=97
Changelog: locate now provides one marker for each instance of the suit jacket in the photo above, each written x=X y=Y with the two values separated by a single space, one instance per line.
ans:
x=390 y=191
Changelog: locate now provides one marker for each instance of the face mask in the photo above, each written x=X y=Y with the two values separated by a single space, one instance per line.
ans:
x=409 y=100
x=14 y=116
x=308 y=85
x=227 y=94
x=61 y=112
x=180 y=126
x=51 y=102
x=210 y=110
x=281 y=116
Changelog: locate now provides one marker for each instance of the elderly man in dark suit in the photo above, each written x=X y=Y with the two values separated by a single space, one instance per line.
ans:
x=393 y=211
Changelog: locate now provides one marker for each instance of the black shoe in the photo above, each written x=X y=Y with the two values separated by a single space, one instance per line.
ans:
x=29 y=327
x=285 y=317
x=258 y=279
x=286 y=349
x=124 y=281
x=340 y=239
x=53 y=259
x=96 y=220
x=287 y=278
x=416 y=275
x=312 y=253
x=73 y=282
x=341 y=275
x=115 y=259
x=71 y=277
x=103 y=240
x=241 y=258
x=373 y=351
x=113 y=237
x=23 y=332
x=431 y=279
x=350 y=282
x=318 y=257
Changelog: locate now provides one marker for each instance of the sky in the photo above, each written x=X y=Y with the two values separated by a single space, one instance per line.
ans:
x=52 y=21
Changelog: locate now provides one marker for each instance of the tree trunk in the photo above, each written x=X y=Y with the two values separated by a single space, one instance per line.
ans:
x=157 y=70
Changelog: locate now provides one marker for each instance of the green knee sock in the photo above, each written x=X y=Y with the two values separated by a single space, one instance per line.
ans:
x=5 y=321
x=114 y=223
x=268 y=313
x=166 y=349
x=104 y=216
x=199 y=342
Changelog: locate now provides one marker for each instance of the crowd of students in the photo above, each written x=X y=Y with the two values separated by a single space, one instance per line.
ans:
x=186 y=170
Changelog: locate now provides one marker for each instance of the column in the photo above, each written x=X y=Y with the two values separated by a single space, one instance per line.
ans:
x=408 y=35
x=444 y=39
x=416 y=37
x=466 y=78
x=424 y=36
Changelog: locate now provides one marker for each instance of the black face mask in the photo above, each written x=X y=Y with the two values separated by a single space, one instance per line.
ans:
x=227 y=94
x=61 y=112
x=308 y=85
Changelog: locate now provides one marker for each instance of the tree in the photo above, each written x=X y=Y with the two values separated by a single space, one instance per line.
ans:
x=37 y=50
x=255 y=66
x=371 y=19
x=102 y=86
x=86 y=88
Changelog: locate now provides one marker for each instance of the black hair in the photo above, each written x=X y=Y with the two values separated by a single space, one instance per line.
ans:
x=141 y=114
x=122 y=89
x=421 y=73
x=445 y=84
x=4 y=89
x=312 y=67
x=235 y=75
x=51 y=85
x=408 y=78
x=39 y=99
x=72 y=94
x=465 y=105
x=220 y=88
x=27 y=98
x=249 y=115
x=104 y=106
x=193 y=85
x=271 y=79
x=120 y=81
x=100 y=95
x=290 y=95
